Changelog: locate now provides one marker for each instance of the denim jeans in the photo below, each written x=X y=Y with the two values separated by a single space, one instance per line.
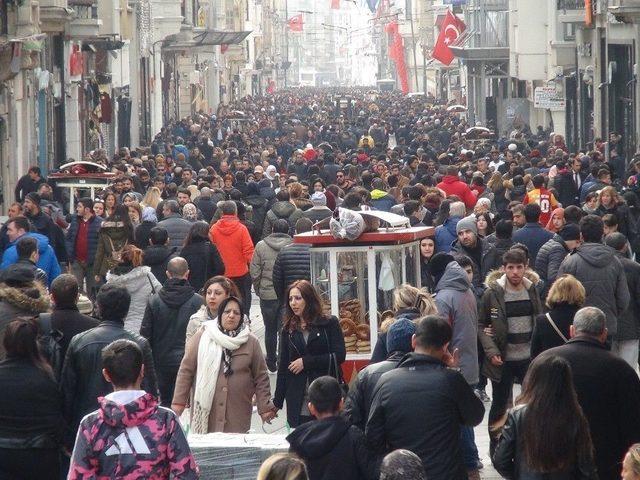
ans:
x=271 y=316
x=468 y=446
x=502 y=398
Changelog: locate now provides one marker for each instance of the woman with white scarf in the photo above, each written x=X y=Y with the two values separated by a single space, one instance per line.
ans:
x=228 y=366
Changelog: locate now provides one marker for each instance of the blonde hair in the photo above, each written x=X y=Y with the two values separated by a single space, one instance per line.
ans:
x=634 y=458
x=566 y=289
x=283 y=466
x=615 y=197
x=152 y=198
x=195 y=193
x=408 y=296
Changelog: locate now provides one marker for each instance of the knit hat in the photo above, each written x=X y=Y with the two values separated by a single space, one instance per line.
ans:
x=399 y=336
x=570 y=232
x=34 y=197
x=467 y=223
x=18 y=275
x=439 y=262
x=319 y=199
x=512 y=147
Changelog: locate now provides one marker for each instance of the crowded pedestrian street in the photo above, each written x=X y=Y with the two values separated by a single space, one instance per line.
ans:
x=302 y=240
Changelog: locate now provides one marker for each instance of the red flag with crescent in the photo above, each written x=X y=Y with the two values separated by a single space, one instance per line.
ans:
x=296 y=23
x=452 y=28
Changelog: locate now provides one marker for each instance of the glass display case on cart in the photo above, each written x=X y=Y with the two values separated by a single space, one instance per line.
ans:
x=356 y=280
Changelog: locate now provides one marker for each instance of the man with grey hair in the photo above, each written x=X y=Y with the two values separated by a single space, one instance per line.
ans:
x=608 y=390
x=446 y=233
x=402 y=464
x=177 y=227
x=236 y=249
x=165 y=324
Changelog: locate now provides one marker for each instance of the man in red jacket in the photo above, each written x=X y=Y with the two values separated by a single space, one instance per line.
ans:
x=236 y=249
x=451 y=185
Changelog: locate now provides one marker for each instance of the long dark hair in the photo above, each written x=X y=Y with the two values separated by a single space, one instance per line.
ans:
x=555 y=431
x=21 y=341
x=199 y=231
x=312 y=310
x=489 y=220
x=121 y=214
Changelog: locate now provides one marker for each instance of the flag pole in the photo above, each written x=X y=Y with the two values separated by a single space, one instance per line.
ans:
x=286 y=41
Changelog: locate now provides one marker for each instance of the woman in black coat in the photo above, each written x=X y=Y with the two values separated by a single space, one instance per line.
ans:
x=311 y=346
x=565 y=298
x=32 y=424
x=201 y=255
x=546 y=436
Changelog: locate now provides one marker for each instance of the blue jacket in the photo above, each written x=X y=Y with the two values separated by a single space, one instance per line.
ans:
x=446 y=234
x=382 y=201
x=534 y=237
x=94 y=230
x=47 y=261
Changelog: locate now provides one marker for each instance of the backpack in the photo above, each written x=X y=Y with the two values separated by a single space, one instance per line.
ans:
x=49 y=341
x=116 y=255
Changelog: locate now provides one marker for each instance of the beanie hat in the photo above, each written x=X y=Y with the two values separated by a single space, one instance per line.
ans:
x=18 y=275
x=34 y=197
x=439 y=262
x=467 y=223
x=319 y=199
x=399 y=336
x=570 y=232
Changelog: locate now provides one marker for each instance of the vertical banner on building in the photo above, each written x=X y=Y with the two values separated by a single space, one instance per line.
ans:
x=588 y=13
x=396 y=53
x=335 y=4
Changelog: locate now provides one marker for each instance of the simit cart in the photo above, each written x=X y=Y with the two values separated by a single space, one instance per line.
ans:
x=356 y=280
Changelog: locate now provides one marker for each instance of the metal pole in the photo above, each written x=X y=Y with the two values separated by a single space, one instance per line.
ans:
x=415 y=58
x=286 y=40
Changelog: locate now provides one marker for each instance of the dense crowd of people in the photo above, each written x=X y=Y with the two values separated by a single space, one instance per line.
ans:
x=128 y=319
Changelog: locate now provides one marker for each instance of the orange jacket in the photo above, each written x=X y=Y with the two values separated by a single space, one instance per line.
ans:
x=234 y=244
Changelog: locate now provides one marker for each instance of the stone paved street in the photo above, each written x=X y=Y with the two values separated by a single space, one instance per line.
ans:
x=279 y=426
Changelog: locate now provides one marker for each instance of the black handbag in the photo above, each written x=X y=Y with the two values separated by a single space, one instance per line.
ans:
x=333 y=365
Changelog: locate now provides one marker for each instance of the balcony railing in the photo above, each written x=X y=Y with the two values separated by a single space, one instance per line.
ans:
x=570 y=4
x=85 y=9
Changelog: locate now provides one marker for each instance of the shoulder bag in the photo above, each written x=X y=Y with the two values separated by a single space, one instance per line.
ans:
x=555 y=327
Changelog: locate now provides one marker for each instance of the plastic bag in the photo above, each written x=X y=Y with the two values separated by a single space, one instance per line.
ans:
x=386 y=281
x=185 y=421
x=349 y=225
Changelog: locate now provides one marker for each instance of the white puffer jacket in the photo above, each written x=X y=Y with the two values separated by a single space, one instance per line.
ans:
x=138 y=283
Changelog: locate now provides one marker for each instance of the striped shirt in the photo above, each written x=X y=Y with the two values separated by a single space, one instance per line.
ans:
x=519 y=309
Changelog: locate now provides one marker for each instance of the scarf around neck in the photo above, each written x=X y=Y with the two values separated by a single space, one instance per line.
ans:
x=215 y=347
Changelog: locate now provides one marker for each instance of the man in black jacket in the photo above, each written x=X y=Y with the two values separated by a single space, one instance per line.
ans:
x=82 y=381
x=329 y=446
x=421 y=404
x=165 y=324
x=158 y=253
x=360 y=395
x=66 y=318
x=292 y=262
x=608 y=390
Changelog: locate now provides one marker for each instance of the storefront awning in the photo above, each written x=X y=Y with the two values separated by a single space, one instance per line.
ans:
x=206 y=38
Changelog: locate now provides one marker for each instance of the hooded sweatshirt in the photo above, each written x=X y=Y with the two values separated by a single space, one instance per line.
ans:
x=285 y=210
x=452 y=185
x=603 y=278
x=456 y=302
x=263 y=261
x=331 y=449
x=234 y=244
x=131 y=437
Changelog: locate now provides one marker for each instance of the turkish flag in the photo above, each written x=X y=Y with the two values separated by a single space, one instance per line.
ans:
x=335 y=4
x=295 y=23
x=450 y=30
